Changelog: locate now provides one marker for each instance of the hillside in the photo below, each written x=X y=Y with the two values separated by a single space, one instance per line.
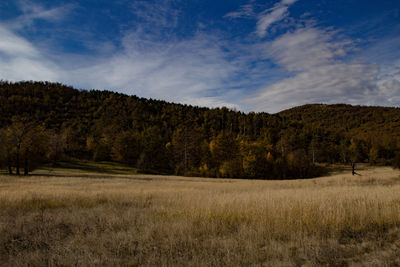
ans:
x=356 y=120
x=44 y=121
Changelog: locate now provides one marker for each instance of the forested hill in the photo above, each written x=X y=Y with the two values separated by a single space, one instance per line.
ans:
x=43 y=121
x=358 y=121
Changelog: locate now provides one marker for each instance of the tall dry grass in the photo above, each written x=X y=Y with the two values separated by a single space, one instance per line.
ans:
x=94 y=219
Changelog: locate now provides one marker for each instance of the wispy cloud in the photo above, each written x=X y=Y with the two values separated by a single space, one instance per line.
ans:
x=321 y=67
x=175 y=70
x=307 y=47
x=21 y=60
x=244 y=11
x=266 y=18
x=389 y=83
x=320 y=72
x=272 y=15
x=384 y=52
x=159 y=14
x=32 y=11
x=192 y=70
x=13 y=45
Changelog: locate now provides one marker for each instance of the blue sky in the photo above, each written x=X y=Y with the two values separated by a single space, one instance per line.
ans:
x=248 y=55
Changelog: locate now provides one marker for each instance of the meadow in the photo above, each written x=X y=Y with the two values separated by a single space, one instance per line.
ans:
x=65 y=217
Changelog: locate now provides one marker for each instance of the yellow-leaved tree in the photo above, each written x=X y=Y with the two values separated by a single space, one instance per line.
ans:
x=26 y=144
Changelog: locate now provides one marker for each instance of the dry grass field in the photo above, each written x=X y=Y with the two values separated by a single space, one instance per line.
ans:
x=92 y=219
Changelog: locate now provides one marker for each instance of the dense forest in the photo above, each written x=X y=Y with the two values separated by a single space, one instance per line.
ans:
x=42 y=122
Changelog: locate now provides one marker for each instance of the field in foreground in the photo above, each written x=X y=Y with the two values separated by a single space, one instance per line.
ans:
x=86 y=219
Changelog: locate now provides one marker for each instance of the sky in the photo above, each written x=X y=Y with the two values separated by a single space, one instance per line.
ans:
x=262 y=56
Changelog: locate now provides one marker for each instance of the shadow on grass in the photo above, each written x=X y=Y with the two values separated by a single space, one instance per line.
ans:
x=92 y=167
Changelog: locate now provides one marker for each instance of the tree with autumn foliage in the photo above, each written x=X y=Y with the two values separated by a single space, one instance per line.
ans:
x=26 y=145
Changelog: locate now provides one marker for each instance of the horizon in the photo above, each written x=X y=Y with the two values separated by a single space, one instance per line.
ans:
x=245 y=55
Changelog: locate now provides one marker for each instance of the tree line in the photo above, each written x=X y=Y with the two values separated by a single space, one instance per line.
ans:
x=45 y=122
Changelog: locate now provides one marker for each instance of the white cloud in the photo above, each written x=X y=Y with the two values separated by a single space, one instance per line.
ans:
x=188 y=71
x=267 y=19
x=191 y=71
x=331 y=83
x=158 y=14
x=306 y=48
x=32 y=11
x=12 y=45
x=390 y=92
x=174 y=71
x=319 y=73
x=288 y=2
x=386 y=53
x=20 y=60
x=244 y=11
x=272 y=15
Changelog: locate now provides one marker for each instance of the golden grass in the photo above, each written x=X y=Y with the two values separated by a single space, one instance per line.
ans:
x=66 y=218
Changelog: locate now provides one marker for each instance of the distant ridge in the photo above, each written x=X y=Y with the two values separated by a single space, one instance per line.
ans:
x=356 y=119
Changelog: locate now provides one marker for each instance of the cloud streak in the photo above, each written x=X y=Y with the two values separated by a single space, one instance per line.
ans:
x=22 y=60
x=245 y=11
x=32 y=11
x=272 y=15
x=320 y=72
x=192 y=70
x=180 y=71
